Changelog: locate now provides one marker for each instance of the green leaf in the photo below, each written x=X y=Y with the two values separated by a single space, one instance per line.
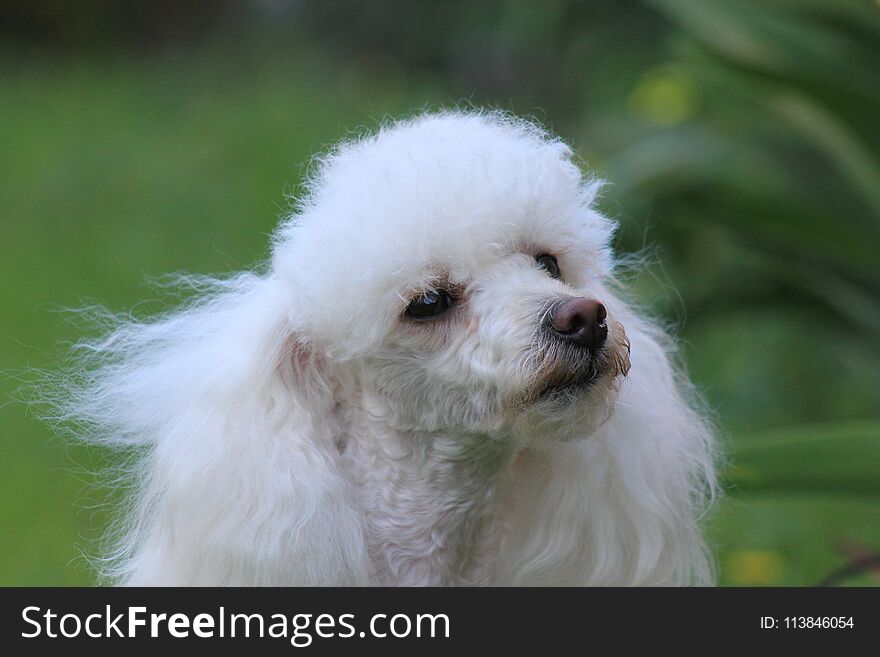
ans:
x=779 y=40
x=837 y=458
x=852 y=157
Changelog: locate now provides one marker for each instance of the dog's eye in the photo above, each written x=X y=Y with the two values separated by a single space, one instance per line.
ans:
x=429 y=305
x=548 y=263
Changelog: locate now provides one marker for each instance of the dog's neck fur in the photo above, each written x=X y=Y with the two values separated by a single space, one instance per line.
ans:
x=431 y=501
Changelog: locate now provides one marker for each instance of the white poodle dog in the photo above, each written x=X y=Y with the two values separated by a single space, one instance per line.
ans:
x=434 y=382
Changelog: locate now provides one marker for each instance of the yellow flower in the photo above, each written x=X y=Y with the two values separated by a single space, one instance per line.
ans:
x=754 y=567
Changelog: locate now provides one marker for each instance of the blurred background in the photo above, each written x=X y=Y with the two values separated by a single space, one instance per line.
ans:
x=741 y=142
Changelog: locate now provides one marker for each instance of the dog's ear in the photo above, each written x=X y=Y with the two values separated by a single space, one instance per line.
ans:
x=236 y=476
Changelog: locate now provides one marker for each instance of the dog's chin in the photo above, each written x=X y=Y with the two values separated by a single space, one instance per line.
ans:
x=567 y=386
x=565 y=411
x=561 y=393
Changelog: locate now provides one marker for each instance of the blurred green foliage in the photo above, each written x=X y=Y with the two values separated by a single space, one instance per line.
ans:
x=740 y=142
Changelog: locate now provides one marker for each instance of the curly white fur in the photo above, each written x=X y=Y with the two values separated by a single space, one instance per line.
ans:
x=295 y=427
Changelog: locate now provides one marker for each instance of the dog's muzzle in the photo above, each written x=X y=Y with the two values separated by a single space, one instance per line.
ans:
x=577 y=349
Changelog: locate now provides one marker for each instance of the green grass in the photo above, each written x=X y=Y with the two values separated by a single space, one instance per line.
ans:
x=115 y=170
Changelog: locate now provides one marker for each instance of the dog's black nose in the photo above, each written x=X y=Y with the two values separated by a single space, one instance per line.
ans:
x=581 y=321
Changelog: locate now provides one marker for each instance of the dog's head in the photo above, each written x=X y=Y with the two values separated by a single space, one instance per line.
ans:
x=453 y=266
x=442 y=298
